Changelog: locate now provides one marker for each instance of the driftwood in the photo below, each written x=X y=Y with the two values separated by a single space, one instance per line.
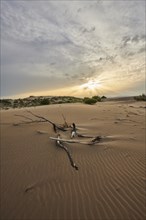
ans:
x=94 y=141
x=61 y=128
x=74 y=132
x=60 y=144
x=42 y=119
x=55 y=126
x=85 y=136
x=65 y=122
x=30 y=120
x=22 y=116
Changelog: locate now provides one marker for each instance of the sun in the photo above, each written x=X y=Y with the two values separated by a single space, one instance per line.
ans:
x=91 y=85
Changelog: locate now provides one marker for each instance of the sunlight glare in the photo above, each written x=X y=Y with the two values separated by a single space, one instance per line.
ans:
x=91 y=85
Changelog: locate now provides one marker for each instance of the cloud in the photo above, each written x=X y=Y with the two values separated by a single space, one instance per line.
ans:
x=85 y=30
x=69 y=43
x=142 y=50
x=12 y=83
x=136 y=39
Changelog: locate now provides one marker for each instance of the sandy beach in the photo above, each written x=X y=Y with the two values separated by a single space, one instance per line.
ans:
x=38 y=182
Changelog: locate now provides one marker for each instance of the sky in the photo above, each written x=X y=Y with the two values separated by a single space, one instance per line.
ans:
x=75 y=48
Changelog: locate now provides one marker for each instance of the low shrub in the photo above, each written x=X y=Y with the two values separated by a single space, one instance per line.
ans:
x=89 y=101
x=97 y=98
x=103 y=97
x=44 y=102
x=140 y=97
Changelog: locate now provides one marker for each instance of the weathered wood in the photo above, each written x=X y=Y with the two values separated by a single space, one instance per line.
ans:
x=60 y=144
x=55 y=126
x=92 y=142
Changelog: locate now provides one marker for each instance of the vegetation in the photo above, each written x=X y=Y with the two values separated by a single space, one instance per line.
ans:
x=140 y=97
x=93 y=100
x=89 y=101
x=97 y=98
x=103 y=97
x=44 y=102
x=6 y=102
x=37 y=101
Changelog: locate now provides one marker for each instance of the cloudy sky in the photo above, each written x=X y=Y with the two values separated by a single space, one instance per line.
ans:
x=77 y=48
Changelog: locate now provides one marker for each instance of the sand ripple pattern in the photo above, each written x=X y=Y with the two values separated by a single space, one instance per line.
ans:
x=109 y=185
x=38 y=183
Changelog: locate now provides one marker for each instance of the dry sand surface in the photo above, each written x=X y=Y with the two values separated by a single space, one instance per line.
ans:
x=38 y=182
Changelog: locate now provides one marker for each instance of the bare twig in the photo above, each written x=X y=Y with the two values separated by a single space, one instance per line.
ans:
x=65 y=122
x=42 y=119
x=85 y=136
x=27 y=122
x=24 y=117
x=60 y=144
x=47 y=120
x=30 y=120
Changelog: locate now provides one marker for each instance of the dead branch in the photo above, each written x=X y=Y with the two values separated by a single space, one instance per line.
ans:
x=22 y=116
x=65 y=140
x=27 y=122
x=94 y=141
x=42 y=132
x=74 y=132
x=85 y=136
x=30 y=120
x=59 y=141
x=65 y=122
x=42 y=119
x=47 y=120
x=60 y=144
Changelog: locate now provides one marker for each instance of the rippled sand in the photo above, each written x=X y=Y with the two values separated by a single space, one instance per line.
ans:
x=38 y=182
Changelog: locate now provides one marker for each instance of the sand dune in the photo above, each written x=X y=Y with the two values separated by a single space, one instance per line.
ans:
x=38 y=182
